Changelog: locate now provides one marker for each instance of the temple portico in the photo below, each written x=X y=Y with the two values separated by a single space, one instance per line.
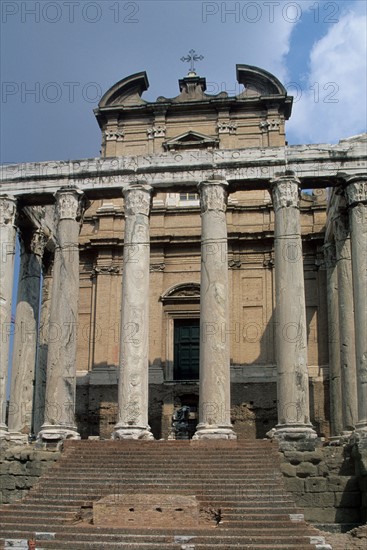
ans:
x=187 y=268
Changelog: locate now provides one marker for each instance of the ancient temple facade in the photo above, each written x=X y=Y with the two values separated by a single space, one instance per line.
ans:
x=200 y=262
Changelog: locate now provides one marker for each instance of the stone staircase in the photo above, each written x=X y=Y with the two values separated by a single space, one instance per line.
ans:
x=239 y=487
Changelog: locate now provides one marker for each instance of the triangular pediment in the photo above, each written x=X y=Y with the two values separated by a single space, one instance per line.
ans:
x=190 y=140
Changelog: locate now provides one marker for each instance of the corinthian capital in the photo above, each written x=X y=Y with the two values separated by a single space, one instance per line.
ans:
x=213 y=195
x=356 y=189
x=285 y=192
x=8 y=210
x=137 y=199
x=69 y=203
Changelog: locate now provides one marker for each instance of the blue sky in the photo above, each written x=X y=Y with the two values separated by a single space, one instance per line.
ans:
x=58 y=57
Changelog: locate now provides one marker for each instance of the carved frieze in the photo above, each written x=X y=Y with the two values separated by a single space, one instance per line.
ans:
x=7 y=211
x=155 y=268
x=137 y=200
x=213 y=196
x=285 y=192
x=272 y=124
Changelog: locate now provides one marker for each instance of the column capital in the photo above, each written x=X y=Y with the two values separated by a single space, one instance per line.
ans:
x=329 y=250
x=138 y=199
x=285 y=191
x=213 y=195
x=356 y=189
x=69 y=203
x=8 y=210
x=38 y=242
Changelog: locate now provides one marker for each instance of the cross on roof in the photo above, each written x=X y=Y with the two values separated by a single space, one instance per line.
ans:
x=191 y=58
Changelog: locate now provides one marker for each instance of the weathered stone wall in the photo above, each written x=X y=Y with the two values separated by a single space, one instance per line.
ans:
x=359 y=453
x=325 y=484
x=20 y=468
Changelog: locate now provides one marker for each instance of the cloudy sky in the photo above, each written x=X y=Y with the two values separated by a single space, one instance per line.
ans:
x=58 y=57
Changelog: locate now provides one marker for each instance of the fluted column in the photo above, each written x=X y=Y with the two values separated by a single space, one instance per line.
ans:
x=61 y=361
x=346 y=321
x=215 y=399
x=356 y=193
x=25 y=337
x=291 y=332
x=132 y=422
x=336 y=416
x=7 y=254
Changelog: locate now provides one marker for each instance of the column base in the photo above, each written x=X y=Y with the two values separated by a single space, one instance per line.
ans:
x=301 y=437
x=205 y=431
x=18 y=438
x=359 y=438
x=132 y=432
x=56 y=434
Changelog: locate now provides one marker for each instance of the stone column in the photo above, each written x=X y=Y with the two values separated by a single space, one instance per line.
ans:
x=346 y=321
x=356 y=193
x=42 y=347
x=294 y=424
x=62 y=336
x=7 y=254
x=215 y=399
x=25 y=337
x=336 y=416
x=132 y=421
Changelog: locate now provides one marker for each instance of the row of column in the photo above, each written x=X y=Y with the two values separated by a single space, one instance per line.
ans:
x=214 y=408
x=346 y=264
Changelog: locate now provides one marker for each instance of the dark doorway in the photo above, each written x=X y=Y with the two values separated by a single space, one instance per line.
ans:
x=186 y=349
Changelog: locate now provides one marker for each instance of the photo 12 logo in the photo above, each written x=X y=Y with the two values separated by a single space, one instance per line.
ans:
x=69 y=12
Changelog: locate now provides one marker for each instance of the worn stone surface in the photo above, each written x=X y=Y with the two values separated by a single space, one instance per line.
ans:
x=151 y=511
x=25 y=337
x=215 y=400
x=346 y=321
x=356 y=191
x=61 y=356
x=291 y=337
x=7 y=254
x=132 y=419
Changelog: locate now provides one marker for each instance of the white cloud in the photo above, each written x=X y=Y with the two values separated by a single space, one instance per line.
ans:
x=333 y=103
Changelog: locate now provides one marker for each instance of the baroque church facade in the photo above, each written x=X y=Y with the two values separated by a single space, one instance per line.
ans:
x=200 y=262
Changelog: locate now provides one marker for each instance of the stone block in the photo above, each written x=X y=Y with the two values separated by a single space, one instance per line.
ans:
x=137 y=510
x=315 y=485
x=317 y=500
x=342 y=483
x=320 y=515
x=288 y=470
x=348 y=499
x=17 y=468
x=7 y=482
x=306 y=469
x=294 y=484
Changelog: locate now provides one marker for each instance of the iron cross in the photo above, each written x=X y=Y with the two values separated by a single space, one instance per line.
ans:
x=193 y=56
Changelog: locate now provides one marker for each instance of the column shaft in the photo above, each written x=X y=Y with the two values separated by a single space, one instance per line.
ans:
x=132 y=422
x=336 y=416
x=215 y=400
x=291 y=331
x=346 y=321
x=7 y=254
x=62 y=332
x=356 y=191
x=25 y=337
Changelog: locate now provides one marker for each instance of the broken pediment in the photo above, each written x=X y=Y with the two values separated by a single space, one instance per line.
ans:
x=127 y=91
x=190 y=140
x=184 y=292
